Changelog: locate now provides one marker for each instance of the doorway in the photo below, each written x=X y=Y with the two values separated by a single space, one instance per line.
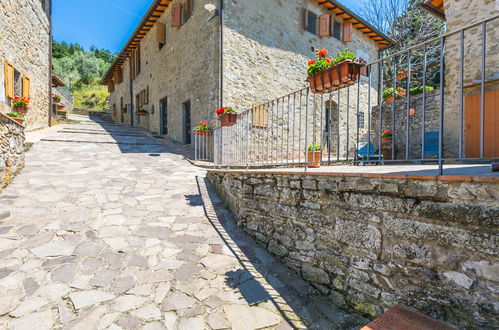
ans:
x=163 y=116
x=187 y=122
x=491 y=125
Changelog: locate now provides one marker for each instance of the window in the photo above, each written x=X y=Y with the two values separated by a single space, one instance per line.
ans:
x=121 y=104
x=18 y=83
x=361 y=120
x=337 y=30
x=187 y=122
x=311 y=22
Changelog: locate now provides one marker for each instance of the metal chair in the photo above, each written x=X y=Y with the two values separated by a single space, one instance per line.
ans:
x=366 y=150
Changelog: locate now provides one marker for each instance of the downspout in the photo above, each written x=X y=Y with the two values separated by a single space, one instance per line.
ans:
x=221 y=87
x=131 y=92
x=50 y=64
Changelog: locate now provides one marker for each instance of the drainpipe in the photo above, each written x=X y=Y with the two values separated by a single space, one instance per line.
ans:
x=221 y=53
x=131 y=93
x=50 y=63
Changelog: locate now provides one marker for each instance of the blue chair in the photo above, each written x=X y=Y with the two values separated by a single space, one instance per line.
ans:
x=431 y=144
x=365 y=149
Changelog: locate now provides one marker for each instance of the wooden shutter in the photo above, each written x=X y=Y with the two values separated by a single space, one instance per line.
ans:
x=118 y=75
x=26 y=86
x=110 y=87
x=259 y=116
x=161 y=33
x=324 y=25
x=147 y=95
x=188 y=7
x=9 y=79
x=176 y=15
x=137 y=60
x=347 y=31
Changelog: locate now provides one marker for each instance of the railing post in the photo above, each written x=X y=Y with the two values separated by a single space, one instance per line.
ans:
x=482 y=91
x=442 y=99
x=306 y=127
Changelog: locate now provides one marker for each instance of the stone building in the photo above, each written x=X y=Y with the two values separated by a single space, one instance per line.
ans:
x=24 y=57
x=458 y=15
x=187 y=58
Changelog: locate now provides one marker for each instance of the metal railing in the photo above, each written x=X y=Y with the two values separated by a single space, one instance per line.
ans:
x=203 y=145
x=64 y=91
x=430 y=104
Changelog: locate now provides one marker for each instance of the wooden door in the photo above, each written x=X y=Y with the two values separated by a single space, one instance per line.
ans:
x=491 y=125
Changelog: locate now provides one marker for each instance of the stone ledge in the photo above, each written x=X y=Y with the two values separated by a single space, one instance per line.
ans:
x=458 y=178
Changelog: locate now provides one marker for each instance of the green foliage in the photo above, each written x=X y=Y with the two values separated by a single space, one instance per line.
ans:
x=314 y=147
x=419 y=90
x=82 y=70
x=346 y=55
x=90 y=96
x=15 y=115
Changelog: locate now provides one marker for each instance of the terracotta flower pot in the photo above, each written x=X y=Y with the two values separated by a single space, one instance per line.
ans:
x=389 y=99
x=349 y=72
x=141 y=113
x=335 y=76
x=322 y=81
x=203 y=132
x=20 y=121
x=123 y=111
x=386 y=147
x=401 y=76
x=314 y=159
x=402 y=92
x=21 y=110
x=56 y=99
x=228 y=119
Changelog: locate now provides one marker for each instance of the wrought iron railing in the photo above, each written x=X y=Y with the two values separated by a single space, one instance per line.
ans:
x=427 y=118
x=203 y=145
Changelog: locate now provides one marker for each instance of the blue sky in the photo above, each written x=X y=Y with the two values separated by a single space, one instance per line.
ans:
x=108 y=23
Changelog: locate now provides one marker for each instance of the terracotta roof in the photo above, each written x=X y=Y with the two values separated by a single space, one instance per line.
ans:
x=158 y=7
x=434 y=7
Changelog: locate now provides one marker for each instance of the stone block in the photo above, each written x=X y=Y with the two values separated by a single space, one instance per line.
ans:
x=358 y=234
x=315 y=275
x=309 y=184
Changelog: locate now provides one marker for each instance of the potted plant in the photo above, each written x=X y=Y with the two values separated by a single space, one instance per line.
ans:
x=386 y=144
x=20 y=104
x=314 y=155
x=18 y=118
x=56 y=98
x=389 y=94
x=227 y=116
x=202 y=129
x=326 y=74
x=403 y=73
x=142 y=112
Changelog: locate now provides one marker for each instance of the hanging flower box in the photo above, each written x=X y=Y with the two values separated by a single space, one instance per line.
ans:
x=18 y=118
x=20 y=105
x=403 y=74
x=328 y=75
x=314 y=155
x=56 y=98
x=227 y=116
x=202 y=129
x=141 y=113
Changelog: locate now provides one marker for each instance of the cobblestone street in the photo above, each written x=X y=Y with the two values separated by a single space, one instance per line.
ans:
x=107 y=228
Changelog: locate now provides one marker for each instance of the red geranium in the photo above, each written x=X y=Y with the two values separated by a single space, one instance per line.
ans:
x=20 y=101
x=225 y=110
x=322 y=52
x=386 y=133
x=311 y=62
x=327 y=60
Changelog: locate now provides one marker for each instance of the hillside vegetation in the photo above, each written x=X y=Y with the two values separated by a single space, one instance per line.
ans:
x=81 y=71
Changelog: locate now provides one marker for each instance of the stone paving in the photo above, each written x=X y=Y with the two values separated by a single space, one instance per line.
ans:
x=107 y=228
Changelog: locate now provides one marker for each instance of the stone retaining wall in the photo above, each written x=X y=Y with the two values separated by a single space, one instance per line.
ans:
x=370 y=242
x=11 y=150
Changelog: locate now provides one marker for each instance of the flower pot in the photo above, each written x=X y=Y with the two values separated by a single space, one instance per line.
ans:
x=314 y=159
x=141 y=113
x=20 y=121
x=386 y=147
x=56 y=99
x=402 y=76
x=21 y=110
x=389 y=99
x=124 y=111
x=349 y=72
x=228 y=119
x=402 y=92
x=321 y=82
x=335 y=76
x=203 y=132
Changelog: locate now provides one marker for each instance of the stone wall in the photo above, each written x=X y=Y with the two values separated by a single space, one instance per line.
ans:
x=432 y=114
x=369 y=242
x=184 y=69
x=11 y=150
x=25 y=44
